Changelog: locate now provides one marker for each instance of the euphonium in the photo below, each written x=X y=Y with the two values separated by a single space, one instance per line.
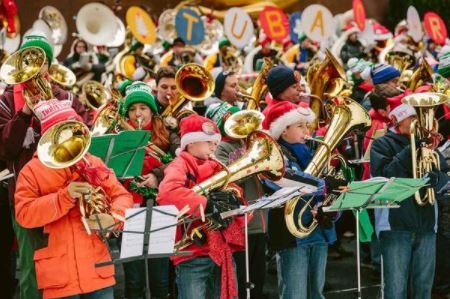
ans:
x=25 y=65
x=326 y=80
x=259 y=86
x=64 y=145
x=348 y=115
x=263 y=156
x=425 y=126
x=194 y=83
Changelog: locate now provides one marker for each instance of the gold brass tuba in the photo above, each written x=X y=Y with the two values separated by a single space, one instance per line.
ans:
x=94 y=95
x=425 y=126
x=421 y=75
x=326 y=80
x=194 y=83
x=61 y=75
x=25 y=65
x=263 y=156
x=64 y=145
x=348 y=115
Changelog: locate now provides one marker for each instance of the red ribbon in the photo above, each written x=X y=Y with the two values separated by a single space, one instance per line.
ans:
x=220 y=251
x=93 y=175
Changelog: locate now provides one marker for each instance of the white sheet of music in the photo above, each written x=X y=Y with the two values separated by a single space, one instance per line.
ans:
x=162 y=241
x=133 y=243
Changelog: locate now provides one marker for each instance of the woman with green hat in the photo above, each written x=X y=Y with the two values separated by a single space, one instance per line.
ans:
x=140 y=110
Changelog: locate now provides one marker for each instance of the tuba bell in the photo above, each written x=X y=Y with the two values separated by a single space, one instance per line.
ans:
x=326 y=80
x=26 y=65
x=96 y=24
x=94 y=95
x=264 y=156
x=425 y=126
x=194 y=83
x=62 y=75
x=348 y=116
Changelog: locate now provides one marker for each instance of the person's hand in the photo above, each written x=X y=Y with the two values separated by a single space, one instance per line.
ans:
x=334 y=184
x=150 y=180
x=79 y=189
x=106 y=221
x=430 y=142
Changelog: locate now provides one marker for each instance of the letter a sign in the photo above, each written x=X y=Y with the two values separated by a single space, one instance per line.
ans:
x=189 y=26
x=435 y=27
x=317 y=22
x=274 y=22
x=238 y=27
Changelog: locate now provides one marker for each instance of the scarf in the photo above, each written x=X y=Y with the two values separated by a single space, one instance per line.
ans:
x=300 y=151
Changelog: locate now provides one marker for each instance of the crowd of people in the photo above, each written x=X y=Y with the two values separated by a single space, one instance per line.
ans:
x=57 y=245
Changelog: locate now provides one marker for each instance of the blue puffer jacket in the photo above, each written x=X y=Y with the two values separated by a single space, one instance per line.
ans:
x=279 y=236
x=390 y=156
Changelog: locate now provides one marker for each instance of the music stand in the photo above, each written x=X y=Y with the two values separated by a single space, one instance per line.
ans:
x=374 y=193
x=146 y=233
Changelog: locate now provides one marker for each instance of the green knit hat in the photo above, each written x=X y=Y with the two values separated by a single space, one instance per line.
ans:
x=40 y=41
x=122 y=87
x=224 y=42
x=219 y=112
x=444 y=65
x=139 y=92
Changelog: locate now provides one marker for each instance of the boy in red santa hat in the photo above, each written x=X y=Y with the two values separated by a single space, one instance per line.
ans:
x=210 y=266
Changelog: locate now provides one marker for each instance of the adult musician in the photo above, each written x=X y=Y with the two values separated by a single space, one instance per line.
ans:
x=20 y=133
x=226 y=89
x=166 y=87
x=407 y=234
x=179 y=55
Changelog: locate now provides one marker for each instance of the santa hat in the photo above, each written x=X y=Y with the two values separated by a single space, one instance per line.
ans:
x=283 y=114
x=196 y=128
x=399 y=110
x=52 y=112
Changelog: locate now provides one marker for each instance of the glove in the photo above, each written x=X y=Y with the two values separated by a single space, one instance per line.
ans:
x=218 y=202
x=325 y=220
x=333 y=183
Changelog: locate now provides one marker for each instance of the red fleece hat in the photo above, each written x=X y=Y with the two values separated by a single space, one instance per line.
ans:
x=283 y=114
x=196 y=128
x=53 y=111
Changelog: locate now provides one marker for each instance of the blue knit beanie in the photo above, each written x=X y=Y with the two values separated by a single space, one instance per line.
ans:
x=280 y=78
x=381 y=73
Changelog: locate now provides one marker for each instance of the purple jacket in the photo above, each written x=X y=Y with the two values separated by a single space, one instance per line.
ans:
x=13 y=129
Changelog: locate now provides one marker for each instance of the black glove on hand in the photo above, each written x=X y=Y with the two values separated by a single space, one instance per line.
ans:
x=333 y=183
x=325 y=220
x=221 y=201
x=433 y=178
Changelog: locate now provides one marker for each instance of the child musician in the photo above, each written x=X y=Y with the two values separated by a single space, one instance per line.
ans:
x=47 y=197
x=210 y=266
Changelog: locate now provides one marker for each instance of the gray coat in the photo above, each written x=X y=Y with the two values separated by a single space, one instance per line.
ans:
x=229 y=151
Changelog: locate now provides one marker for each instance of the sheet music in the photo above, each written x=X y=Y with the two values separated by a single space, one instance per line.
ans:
x=162 y=241
x=133 y=243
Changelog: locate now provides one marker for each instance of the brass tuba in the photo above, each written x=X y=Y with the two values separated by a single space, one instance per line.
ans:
x=348 y=116
x=326 y=80
x=64 y=145
x=425 y=126
x=263 y=156
x=26 y=65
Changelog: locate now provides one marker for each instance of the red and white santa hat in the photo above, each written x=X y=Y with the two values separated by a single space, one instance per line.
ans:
x=54 y=111
x=196 y=128
x=399 y=110
x=283 y=114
